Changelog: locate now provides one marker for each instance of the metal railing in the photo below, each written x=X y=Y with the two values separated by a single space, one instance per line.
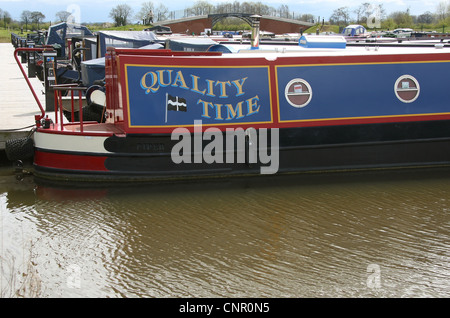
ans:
x=59 y=107
x=38 y=118
x=58 y=89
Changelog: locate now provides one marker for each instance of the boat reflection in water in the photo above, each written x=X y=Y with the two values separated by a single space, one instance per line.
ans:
x=377 y=234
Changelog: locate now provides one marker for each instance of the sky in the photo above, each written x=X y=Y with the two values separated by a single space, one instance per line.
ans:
x=98 y=11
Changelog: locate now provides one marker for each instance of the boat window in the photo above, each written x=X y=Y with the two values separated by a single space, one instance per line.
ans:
x=347 y=31
x=298 y=93
x=407 y=88
x=118 y=43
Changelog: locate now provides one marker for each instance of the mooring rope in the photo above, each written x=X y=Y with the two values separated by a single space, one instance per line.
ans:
x=16 y=129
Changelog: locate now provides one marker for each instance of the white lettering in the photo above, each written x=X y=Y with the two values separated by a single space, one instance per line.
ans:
x=247 y=149
x=196 y=308
x=374 y=280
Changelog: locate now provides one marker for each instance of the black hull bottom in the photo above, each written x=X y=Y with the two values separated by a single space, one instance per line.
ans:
x=314 y=149
x=306 y=159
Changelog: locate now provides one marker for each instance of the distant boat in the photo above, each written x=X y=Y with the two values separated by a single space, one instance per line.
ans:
x=355 y=31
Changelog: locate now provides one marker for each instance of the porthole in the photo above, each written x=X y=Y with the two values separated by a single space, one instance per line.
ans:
x=407 y=89
x=298 y=93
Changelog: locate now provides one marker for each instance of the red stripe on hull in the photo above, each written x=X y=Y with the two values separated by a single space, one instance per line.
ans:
x=69 y=161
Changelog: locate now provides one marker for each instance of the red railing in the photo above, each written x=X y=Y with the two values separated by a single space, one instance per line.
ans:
x=59 y=107
x=41 y=49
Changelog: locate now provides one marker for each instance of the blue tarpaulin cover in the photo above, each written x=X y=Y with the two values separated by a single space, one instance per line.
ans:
x=124 y=39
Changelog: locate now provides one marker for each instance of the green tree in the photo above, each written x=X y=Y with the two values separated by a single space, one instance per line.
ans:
x=361 y=12
x=25 y=17
x=120 y=14
x=62 y=16
x=442 y=10
x=37 y=17
x=340 y=16
x=388 y=24
x=307 y=18
x=6 y=17
x=425 y=18
x=284 y=11
x=161 y=12
x=402 y=19
x=201 y=8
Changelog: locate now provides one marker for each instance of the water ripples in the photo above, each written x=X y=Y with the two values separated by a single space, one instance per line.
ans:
x=308 y=236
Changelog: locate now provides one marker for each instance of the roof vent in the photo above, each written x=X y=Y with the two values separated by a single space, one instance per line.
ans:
x=322 y=42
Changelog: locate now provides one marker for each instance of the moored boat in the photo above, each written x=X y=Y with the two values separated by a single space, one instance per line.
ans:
x=261 y=110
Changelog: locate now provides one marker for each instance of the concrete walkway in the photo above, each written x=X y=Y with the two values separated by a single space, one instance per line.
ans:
x=17 y=104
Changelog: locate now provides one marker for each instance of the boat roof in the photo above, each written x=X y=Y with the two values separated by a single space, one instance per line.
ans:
x=354 y=26
x=272 y=52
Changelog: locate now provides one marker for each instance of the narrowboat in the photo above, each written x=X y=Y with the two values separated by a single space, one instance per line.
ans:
x=248 y=111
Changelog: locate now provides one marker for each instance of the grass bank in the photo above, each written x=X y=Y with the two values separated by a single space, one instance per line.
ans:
x=5 y=36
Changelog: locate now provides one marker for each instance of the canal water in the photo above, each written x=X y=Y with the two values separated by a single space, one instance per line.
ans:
x=371 y=234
